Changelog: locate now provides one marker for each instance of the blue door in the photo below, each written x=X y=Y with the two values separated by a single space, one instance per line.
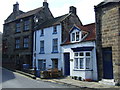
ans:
x=67 y=63
x=107 y=63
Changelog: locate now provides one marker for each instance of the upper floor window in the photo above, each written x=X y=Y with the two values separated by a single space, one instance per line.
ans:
x=17 y=43
x=82 y=60
x=18 y=27
x=26 y=42
x=26 y=25
x=75 y=36
x=42 y=33
x=55 y=30
x=55 y=46
x=42 y=47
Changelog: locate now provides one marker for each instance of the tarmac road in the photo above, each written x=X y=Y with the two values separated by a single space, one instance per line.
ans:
x=15 y=80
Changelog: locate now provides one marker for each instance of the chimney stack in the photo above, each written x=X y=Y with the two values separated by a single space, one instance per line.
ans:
x=72 y=10
x=45 y=4
x=16 y=7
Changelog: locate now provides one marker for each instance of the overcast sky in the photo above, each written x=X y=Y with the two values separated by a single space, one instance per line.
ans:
x=85 y=8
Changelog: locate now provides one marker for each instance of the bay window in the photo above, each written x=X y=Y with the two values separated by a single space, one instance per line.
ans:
x=82 y=60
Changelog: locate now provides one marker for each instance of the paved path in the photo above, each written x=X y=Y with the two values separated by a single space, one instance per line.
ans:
x=14 y=80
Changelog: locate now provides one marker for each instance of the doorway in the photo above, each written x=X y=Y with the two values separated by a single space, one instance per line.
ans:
x=107 y=63
x=67 y=63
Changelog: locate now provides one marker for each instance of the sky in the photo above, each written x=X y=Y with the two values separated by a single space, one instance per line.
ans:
x=85 y=8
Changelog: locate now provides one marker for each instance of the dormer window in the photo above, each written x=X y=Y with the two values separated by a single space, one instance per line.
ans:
x=75 y=36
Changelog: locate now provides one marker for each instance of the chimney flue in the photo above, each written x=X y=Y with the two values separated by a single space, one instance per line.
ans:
x=16 y=7
x=72 y=10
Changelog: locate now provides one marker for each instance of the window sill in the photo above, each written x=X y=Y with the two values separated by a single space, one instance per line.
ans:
x=41 y=35
x=17 y=32
x=41 y=53
x=54 y=52
x=54 y=33
x=82 y=70
x=25 y=30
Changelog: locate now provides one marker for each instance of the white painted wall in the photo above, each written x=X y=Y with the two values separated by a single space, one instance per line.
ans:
x=84 y=74
x=48 y=39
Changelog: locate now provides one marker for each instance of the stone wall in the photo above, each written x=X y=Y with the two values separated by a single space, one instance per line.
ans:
x=108 y=35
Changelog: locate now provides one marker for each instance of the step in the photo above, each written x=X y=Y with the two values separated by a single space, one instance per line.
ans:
x=107 y=81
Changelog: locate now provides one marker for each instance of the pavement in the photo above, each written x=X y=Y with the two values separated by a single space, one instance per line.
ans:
x=77 y=83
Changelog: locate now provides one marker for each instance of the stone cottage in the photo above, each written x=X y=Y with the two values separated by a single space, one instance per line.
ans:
x=18 y=34
x=108 y=41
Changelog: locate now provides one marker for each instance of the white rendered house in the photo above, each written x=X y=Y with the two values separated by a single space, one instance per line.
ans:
x=48 y=37
x=79 y=53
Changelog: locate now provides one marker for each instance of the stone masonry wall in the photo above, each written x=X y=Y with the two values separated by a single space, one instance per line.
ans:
x=110 y=34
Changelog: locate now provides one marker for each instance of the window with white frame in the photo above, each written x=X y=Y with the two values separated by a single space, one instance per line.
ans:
x=42 y=33
x=75 y=36
x=42 y=64
x=55 y=46
x=42 y=47
x=55 y=30
x=82 y=60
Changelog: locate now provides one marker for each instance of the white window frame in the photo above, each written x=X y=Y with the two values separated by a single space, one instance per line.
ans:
x=54 y=29
x=55 y=46
x=42 y=47
x=75 y=36
x=84 y=57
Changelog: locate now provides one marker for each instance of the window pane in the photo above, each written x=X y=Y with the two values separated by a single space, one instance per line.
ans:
x=76 y=54
x=27 y=25
x=73 y=36
x=77 y=36
x=81 y=54
x=54 y=29
x=41 y=46
x=76 y=63
x=87 y=63
x=26 y=42
x=17 y=43
x=18 y=27
x=87 y=53
x=42 y=32
x=55 y=45
x=81 y=63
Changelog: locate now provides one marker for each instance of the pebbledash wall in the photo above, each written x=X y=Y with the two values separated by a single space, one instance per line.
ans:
x=108 y=35
x=85 y=74
x=48 y=54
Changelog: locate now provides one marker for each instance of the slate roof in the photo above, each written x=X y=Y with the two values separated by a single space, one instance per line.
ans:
x=29 y=13
x=53 y=21
x=90 y=28
x=22 y=14
x=107 y=2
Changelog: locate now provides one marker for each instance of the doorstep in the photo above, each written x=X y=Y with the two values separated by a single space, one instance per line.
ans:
x=107 y=81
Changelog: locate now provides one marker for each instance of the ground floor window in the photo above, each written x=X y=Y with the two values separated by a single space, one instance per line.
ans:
x=82 y=60
x=42 y=64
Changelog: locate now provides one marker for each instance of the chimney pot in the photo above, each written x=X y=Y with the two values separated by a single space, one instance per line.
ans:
x=72 y=10
x=45 y=4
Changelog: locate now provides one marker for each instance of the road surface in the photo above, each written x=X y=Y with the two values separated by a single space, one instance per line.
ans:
x=15 y=80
